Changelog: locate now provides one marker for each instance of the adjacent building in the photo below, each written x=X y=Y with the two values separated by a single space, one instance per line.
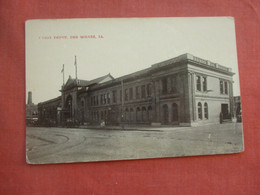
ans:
x=185 y=90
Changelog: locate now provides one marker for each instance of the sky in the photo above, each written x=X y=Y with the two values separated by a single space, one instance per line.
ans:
x=120 y=46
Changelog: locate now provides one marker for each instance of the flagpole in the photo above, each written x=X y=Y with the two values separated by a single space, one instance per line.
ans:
x=63 y=73
x=76 y=68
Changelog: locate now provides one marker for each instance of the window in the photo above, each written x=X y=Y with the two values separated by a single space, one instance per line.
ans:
x=138 y=114
x=97 y=100
x=144 y=114
x=130 y=93
x=94 y=98
x=164 y=85
x=102 y=116
x=105 y=98
x=204 y=83
x=137 y=93
x=173 y=84
x=143 y=91
x=121 y=95
x=101 y=99
x=201 y=83
x=108 y=98
x=206 y=113
x=149 y=90
x=126 y=94
x=114 y=96
x=200 y=111
x=131 y=114
x=223 y=87
x=226 y=87
x=198 y=81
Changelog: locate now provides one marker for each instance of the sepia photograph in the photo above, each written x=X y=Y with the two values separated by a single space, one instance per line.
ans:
x=131 y=88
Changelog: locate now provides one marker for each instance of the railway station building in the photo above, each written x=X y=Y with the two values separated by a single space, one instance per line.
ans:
x=185 y=90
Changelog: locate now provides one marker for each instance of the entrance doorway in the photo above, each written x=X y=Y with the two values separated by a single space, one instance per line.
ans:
x=224 y=110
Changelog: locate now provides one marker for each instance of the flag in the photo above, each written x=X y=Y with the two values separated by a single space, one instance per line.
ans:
x=62 y=69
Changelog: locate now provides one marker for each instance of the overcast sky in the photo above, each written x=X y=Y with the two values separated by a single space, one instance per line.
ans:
x=128 y=45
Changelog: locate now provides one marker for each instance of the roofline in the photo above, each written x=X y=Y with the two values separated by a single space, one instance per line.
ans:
x=51 y=100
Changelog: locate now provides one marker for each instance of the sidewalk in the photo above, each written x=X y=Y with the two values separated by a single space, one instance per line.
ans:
x=152 y=128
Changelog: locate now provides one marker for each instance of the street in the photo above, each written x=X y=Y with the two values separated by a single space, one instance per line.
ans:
x=57 y=145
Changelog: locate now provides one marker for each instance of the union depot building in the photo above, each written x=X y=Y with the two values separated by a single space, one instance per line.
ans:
x=185 y=90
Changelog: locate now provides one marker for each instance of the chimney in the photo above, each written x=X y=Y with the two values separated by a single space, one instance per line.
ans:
x=29 y=98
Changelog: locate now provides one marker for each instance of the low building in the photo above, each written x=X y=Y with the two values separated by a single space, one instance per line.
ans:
x=49 y=112
x=185 y=90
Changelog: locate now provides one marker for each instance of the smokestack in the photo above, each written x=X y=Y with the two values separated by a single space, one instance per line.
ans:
x=29 y=97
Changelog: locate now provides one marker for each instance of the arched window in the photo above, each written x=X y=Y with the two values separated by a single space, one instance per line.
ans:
x=150 y=113
x=206 y=111
x=138 y=114
x=144 y=114
x=102 y=115
x=97 y=115
x=199 y=111
x=131 y=114
x=175 y=116
x=127 y=114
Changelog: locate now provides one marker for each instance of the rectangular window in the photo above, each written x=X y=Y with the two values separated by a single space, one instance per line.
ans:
x=221 y=84
x=97 y=100
x=226 y=87
x=137 y=93
x=105 y=98
x=121 y=95
x=143 y=91
x=101 y=99
x=149 y=90
x=126 y=94
x=164 y=85
x=198 y=81
x=114 y=96
x=94 y=100
x=173 y=84
x=204 y=83
x=108 y=98
x=130 y=93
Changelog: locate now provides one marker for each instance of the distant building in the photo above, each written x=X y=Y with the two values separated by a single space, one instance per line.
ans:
x=185 y=90
x=31 y=108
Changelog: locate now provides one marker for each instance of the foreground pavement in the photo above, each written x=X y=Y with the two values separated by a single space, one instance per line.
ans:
x=56 y=145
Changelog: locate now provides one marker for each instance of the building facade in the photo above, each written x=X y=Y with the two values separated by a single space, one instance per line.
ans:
x=185 y=90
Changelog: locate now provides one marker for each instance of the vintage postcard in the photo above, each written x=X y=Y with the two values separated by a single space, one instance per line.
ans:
x=131 y=88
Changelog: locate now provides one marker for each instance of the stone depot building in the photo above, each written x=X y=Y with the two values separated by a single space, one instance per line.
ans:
x=185 y=90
